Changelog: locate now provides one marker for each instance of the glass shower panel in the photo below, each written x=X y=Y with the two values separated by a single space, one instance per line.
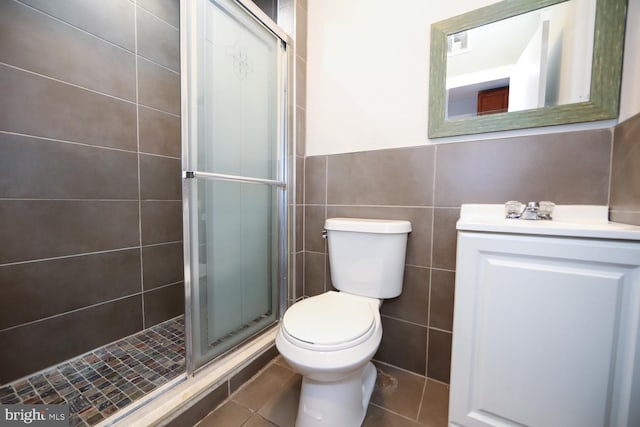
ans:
x=241 y=87
x=238 y=261
x=235 y=186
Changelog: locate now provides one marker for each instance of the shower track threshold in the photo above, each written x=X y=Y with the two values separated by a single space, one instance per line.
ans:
x=99 y=383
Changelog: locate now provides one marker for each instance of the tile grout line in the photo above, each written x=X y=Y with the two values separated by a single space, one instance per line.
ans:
x=100 y=38
x=69 y=256
x=392 y=412
x=158 y=17
x=424 y=390
x=63 y=141
x=62 y=21
x=135 y=40
x=85 y=145
x=97 y=92
x=433 y=214
x=75 y=310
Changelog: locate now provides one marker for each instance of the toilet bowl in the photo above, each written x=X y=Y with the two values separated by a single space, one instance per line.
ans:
x=331 y=338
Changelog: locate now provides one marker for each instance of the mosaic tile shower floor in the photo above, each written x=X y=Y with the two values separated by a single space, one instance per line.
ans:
x=99 y=383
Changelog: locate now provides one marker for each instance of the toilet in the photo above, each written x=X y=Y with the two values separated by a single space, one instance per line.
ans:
x=331 y=338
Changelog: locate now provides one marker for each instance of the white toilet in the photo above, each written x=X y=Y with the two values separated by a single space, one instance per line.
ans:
x=331 y=338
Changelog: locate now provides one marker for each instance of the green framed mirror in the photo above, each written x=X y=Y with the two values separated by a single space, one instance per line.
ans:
x=541 y=78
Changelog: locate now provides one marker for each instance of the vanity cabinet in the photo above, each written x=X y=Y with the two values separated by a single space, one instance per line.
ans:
x=546 y=330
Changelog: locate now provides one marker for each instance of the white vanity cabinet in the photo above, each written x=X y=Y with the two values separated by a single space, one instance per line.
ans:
x=546 y=324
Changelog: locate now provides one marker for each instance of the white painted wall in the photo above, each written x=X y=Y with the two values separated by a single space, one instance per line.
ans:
x=368 y=74
x=630 y=96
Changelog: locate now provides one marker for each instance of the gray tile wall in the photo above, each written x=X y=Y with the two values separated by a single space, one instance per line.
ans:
x=292 y=17
x=90 y=186
x=625 y=176
x=427 y=185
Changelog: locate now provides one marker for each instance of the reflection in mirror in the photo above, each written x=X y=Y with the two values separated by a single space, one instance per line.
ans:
x=537 y=59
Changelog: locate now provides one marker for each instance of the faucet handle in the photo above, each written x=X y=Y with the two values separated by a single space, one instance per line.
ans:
x=545 y=209
x=513 y=209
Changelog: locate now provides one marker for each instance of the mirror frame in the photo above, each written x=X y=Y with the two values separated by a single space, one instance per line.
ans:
x=606 y=72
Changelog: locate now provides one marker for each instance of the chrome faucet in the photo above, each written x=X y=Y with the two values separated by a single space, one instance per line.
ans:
x=532 y=210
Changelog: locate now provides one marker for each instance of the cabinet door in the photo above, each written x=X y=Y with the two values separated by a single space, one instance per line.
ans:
x=493 y=101
x=546 y=332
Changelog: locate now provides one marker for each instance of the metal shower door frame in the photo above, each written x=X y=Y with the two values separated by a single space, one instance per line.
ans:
x=189 y=134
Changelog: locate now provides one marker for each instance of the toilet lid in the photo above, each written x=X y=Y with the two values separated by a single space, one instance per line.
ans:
x=329 y=319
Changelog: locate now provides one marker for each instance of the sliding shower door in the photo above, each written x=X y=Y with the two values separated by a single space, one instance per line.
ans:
x=234 y=176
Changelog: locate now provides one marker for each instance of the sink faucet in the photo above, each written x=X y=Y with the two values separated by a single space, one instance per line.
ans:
x=532 y=210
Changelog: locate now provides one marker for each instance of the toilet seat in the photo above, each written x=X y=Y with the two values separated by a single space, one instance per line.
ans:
x=330 y=321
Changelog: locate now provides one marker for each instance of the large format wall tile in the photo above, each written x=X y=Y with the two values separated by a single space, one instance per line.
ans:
x=162 y=265
x=314 y=270
x=419 y=241
x=73 y=181
x=314 y=224
x=439 y=355
x=167 y=10
x=40 y=168
x=299 y=210
x=625 y=217
x=413 y=303
x=163 y=304
x=60 y=285
x=315 y=180
x=161 y=222
x=158 y=41
x=445 y=237
x=300 y=171
x=66 y=336
x=110 y=20
x=58 y=50
x=158 y=88
x=403 y=345
x=39 y=106
x=160 y=178
x=442 y=296
x=35 y=229
x=402 y=177
x=159 y=132
x=567 y=168
x=625 y=176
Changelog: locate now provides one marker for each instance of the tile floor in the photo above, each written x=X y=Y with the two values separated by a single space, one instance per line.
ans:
x=99 y=383
x=400 y=399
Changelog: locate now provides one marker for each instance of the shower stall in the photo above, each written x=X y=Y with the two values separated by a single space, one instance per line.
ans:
x=234 y=167
x=146 y=151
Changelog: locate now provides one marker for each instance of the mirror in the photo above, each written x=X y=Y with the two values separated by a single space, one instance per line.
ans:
x=526 y=63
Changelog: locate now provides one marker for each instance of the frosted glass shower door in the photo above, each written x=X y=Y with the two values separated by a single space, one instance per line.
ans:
x=235 y=178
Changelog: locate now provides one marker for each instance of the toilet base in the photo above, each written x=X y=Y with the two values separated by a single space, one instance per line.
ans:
x=337 y=404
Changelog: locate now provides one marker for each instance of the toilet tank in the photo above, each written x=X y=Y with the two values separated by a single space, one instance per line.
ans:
x=366 y=256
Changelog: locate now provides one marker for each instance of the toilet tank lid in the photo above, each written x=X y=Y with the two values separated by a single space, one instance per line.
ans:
x=359 y=225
